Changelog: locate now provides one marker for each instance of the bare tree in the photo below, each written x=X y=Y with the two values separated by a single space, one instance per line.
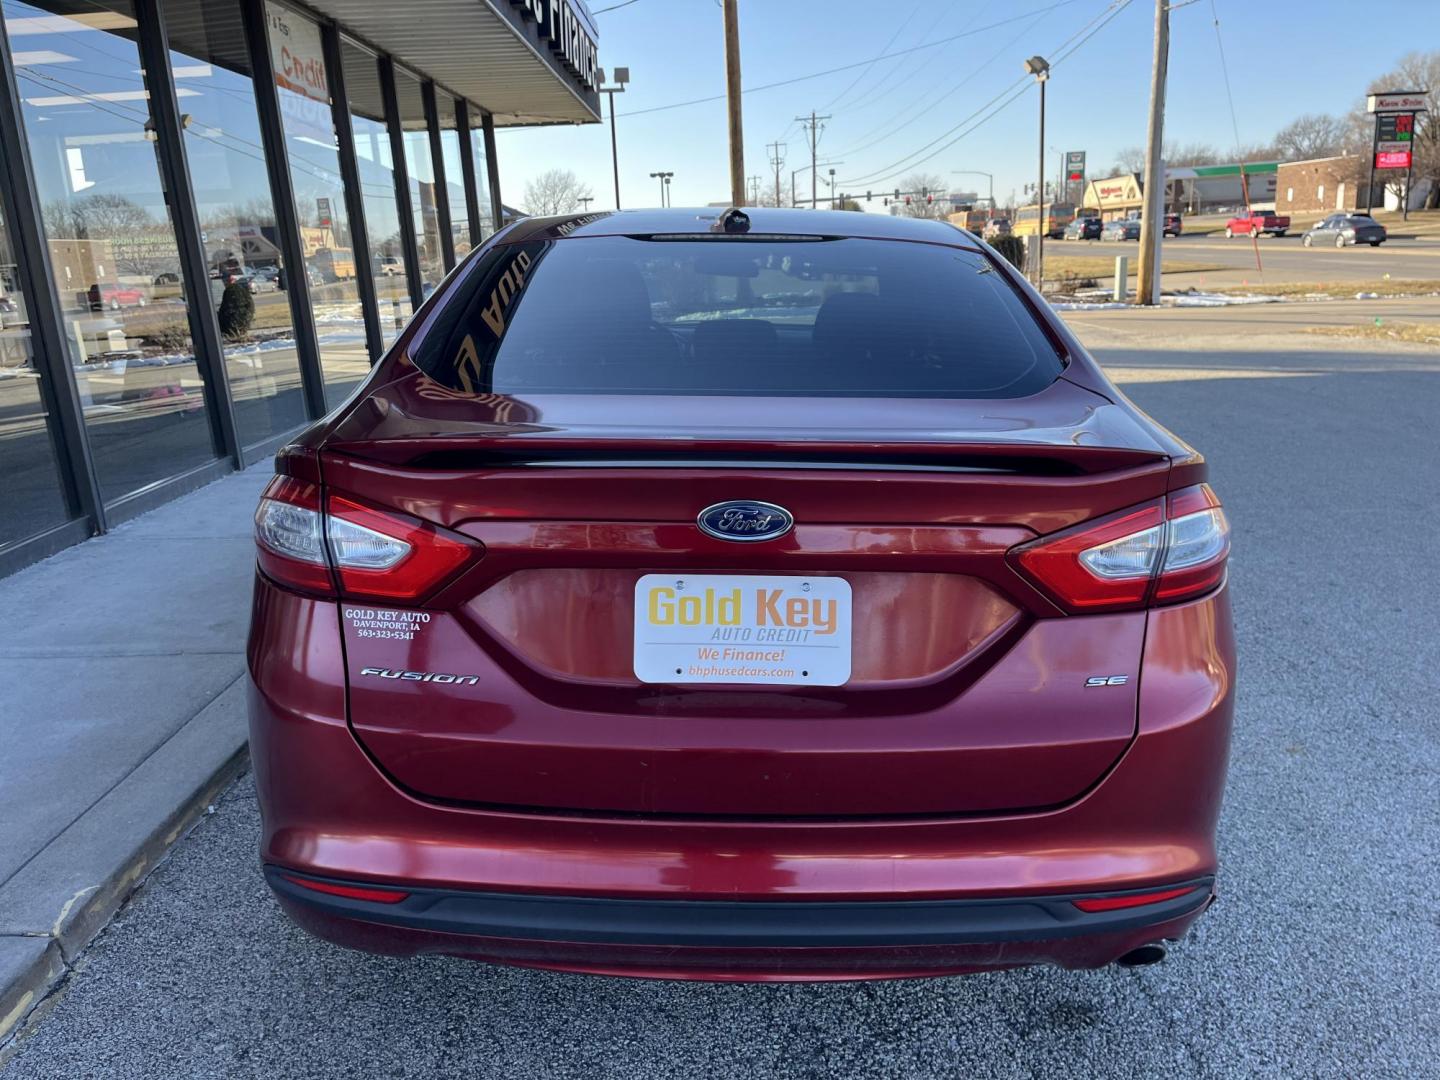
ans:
x=1314 y=135
x=557 y=191
x=1182 y=155
x=137 y=240
x=1131 y=159
x=920 y=185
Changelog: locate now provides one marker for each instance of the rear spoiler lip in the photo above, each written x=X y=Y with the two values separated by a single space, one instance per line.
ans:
x=509 y=450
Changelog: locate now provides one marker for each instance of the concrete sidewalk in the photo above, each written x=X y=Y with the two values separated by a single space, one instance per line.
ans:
x=122 y=713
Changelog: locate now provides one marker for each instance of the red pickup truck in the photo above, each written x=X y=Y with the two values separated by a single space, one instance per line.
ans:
x=1259 y=221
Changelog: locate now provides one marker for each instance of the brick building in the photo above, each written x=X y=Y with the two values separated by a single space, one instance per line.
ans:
x=1322 y=185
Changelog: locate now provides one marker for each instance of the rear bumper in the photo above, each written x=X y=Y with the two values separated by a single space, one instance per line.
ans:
x=716 y=938
x=329 y=812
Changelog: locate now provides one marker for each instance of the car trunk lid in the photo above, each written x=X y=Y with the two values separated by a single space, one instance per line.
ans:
x=516 y=685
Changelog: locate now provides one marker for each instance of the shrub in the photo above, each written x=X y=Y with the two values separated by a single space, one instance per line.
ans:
x=170 y=336
x=237 y=311
x=1012 y=248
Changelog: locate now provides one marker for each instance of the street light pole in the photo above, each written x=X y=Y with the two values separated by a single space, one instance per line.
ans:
x=977 y=172
x=622 y=76
x=664 y=178
x=1040 y=68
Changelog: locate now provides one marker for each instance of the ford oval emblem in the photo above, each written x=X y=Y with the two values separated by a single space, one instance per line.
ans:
x=745 y=521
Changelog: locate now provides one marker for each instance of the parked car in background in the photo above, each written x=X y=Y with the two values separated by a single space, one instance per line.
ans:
x=266 y=279
x=389 y=266
x=115 y=297
x=996 y=228
x=850 y=683
x=1343 y=229
x=1084 y=228
x=1121 y=229
x=1173 y=225
x=1257 y=222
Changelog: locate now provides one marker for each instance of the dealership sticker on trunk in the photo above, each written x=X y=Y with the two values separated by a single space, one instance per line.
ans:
x=713 y=628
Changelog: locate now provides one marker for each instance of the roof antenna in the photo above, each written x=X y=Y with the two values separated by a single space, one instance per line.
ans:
x=733 y=220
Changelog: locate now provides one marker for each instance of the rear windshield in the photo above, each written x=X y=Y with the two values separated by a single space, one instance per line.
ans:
x=812 y=318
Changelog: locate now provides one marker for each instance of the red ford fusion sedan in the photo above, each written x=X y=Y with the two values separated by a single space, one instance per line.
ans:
x=763 y=595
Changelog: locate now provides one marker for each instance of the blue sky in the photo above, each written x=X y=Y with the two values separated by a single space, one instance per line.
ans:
x=1285 y=59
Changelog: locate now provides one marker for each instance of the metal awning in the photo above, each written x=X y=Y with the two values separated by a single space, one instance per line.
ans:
x=482 y=50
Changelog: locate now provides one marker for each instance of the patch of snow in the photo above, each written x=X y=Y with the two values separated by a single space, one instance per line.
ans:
x=1199 y=299
x=1088 y=305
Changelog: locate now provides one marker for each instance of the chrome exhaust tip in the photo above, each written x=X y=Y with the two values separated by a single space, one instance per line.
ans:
x=1144 y=956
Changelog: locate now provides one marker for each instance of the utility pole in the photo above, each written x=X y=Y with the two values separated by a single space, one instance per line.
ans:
x=1152 y=217
x=754 y=189
x=813 y=122
x=732 y=88
x=777 y=162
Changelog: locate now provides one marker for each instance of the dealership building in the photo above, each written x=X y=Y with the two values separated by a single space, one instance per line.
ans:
x=217 y=214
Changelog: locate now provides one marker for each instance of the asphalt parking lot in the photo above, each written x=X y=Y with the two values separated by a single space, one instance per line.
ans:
x=1319 y=960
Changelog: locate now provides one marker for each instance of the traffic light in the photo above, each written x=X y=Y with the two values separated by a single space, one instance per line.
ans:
x=929 y=198
x=867 y=196
x=907 y=200
x=896 y=196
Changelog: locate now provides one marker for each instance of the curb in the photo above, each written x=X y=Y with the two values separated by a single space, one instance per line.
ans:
x=69 y=892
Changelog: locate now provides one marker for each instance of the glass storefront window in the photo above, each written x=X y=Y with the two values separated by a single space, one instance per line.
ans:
x=237 y=214
x=421 y=170
x=454 y=175
x=313 y=153
x=377 y=186
x=32 y=501
x=112 y=244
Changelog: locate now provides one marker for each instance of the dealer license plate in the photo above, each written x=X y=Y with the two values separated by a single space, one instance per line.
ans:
x=720 y=628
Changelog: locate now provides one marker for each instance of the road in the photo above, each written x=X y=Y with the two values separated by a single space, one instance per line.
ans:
x=1319 y=960
x=1284 y=259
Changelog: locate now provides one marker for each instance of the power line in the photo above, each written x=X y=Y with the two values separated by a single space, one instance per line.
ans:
x=858 y=63
x=866 y=141
x=868 y=67
x=612 y=7
x=1022 y=81
x=1019 y=87
x=1224 y=71
x=877 y=93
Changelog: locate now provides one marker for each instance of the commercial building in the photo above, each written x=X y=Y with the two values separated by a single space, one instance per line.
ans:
x=1324 y=185
x=1188 y=189
x=218 y=213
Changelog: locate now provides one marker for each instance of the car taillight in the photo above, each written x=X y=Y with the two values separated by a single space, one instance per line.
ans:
x=1156 y=553
x=290 y=536
x=373 y=552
